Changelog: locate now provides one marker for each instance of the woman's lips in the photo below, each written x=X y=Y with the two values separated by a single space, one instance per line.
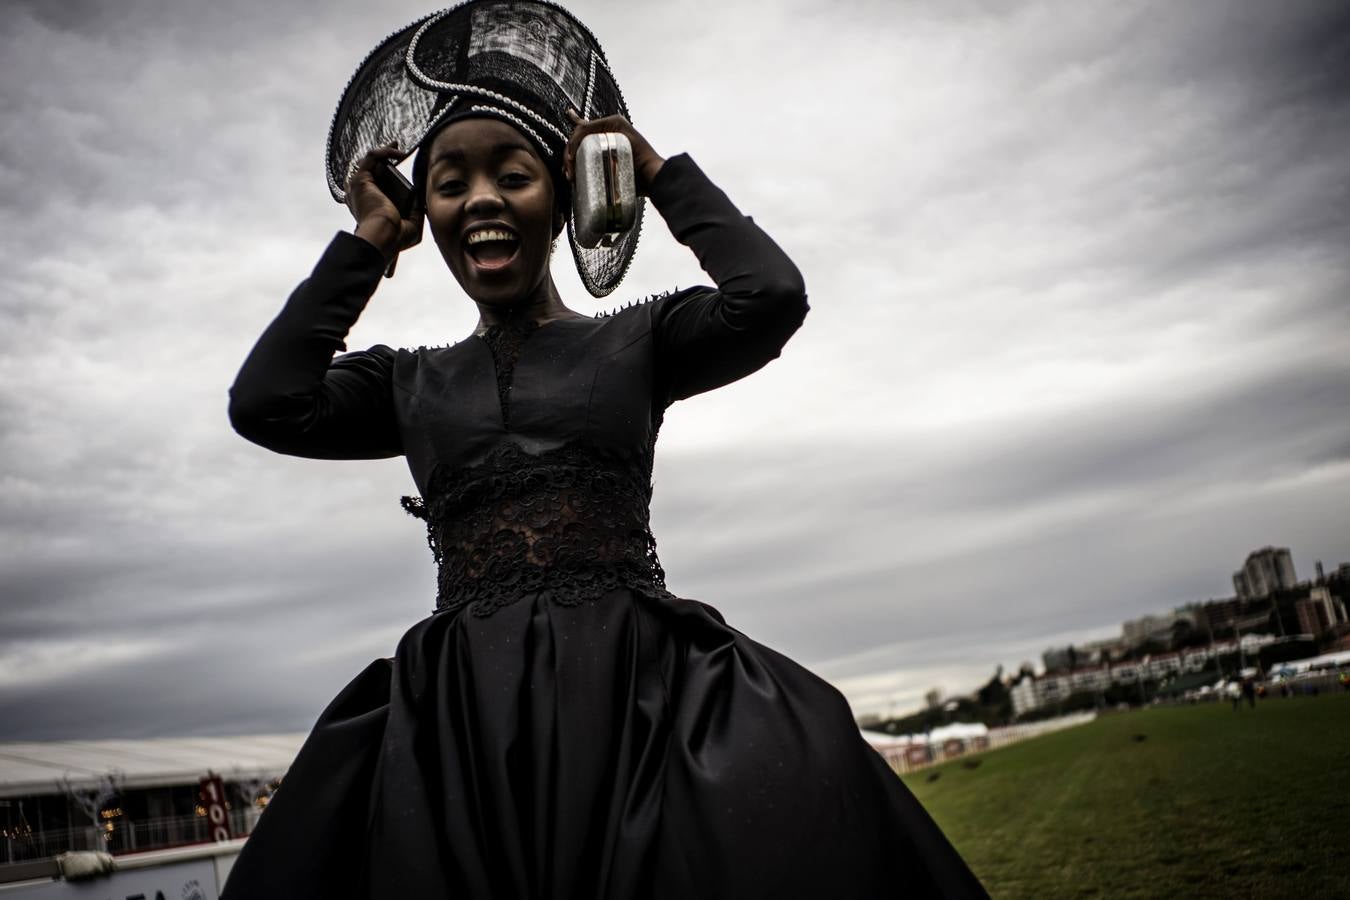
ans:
x=489 y=256
x=491 y=246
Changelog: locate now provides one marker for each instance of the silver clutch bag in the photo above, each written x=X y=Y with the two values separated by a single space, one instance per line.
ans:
x=604 y=193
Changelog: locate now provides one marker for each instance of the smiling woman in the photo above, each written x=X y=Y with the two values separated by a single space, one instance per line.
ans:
x=562 y=725
x=490 y=205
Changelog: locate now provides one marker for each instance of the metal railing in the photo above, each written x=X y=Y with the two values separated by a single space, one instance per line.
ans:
x=120 y=835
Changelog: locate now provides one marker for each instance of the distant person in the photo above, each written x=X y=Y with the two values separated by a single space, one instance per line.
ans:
x=1234 y=692
x=1249 y=692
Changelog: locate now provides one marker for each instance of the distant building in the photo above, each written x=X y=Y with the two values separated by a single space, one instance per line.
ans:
x=1097 y=678
x=1157 y=627
x=1095 y=653
x=1024 y=696
x=1319 y=612
x=1266 y=571
x=1057 y=686
x=1220 y=617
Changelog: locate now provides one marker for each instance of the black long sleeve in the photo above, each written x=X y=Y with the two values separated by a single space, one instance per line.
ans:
x=708 y=338
x=291 y=396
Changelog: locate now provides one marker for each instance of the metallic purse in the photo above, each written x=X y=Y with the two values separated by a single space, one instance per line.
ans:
x=604 y=193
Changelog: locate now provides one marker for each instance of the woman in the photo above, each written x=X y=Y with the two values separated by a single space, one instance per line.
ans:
x=562 y=726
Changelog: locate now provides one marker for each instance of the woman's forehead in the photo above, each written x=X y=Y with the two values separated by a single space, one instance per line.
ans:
x=479 y=136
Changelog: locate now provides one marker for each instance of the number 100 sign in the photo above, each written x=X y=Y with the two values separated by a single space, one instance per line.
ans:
x=213 y=801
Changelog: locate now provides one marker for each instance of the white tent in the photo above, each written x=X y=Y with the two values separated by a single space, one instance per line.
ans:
x=963 y=731
x=38 y=767
x=1299 y=666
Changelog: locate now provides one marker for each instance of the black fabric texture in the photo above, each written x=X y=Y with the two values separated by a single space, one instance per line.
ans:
x=563 y=726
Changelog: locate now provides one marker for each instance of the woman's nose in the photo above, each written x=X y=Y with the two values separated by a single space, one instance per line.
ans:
x=483 y=198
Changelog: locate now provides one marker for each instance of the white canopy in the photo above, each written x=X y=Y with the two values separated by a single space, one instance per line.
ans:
x=38 y=767
x=1325 y=661
x=960 y=730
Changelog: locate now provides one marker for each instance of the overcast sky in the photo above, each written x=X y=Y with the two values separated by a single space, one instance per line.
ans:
x=1079 y=340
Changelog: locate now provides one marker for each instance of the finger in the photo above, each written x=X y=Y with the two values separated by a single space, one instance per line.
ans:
x=411 y=231
x=377 y=155
x=582 y=129
x=573 y=139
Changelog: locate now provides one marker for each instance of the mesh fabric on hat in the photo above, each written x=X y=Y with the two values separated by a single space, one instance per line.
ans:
x=525 y=62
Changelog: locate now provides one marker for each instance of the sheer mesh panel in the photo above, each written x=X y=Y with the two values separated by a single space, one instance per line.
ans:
x=381 y=105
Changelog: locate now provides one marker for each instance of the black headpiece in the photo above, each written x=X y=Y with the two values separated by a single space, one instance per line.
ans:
x=525 y=62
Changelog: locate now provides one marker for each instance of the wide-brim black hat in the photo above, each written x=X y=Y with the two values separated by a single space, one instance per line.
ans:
x=526 y=62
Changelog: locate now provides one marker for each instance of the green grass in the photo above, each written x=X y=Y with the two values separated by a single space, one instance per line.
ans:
x=1211 y=803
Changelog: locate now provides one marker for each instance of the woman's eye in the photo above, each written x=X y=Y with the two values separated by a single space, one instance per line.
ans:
x=515 y=179
x=449 y=187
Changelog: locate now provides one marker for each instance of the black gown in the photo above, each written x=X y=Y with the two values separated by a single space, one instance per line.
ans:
x=562 y=726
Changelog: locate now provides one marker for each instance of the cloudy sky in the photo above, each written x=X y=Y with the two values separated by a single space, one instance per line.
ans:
x=1079 y=340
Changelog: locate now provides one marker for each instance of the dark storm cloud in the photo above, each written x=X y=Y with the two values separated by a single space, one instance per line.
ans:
x=1078 y=339
x=1209 y=438
x=884 y=540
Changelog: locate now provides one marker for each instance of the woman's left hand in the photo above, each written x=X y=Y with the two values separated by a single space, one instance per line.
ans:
x=646 y=161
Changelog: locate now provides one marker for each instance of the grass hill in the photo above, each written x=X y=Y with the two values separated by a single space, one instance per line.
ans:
x=1185 y=801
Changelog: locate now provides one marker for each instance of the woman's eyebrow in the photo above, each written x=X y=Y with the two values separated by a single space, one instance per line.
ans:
x=509 y=146
x=455 y=155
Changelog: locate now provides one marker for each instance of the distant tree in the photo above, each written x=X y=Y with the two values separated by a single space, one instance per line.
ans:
x=995 y=700
x=1185 y=634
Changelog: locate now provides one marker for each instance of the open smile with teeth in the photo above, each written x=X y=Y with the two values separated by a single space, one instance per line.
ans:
x=491 y=248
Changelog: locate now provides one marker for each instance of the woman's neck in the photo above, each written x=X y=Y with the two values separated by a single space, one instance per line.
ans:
x=542 y=305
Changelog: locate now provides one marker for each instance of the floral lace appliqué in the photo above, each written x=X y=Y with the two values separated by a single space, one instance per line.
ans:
x=568 y=523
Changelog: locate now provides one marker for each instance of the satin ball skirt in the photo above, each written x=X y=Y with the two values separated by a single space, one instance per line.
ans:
x=629 y=747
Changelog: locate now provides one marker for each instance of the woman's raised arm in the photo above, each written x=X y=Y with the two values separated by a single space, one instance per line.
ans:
x=292 y=396
x=706 y=338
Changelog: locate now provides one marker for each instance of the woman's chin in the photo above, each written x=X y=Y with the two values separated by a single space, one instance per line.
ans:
x=502 y=294
x=503 y=284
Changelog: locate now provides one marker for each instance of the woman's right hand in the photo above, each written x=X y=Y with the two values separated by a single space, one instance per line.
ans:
x=377 y=219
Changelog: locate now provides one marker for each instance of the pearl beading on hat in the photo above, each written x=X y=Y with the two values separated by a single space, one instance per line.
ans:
x=515 y=120
x=590 y=88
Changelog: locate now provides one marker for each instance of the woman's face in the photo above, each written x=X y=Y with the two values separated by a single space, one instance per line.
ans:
x=490 y=209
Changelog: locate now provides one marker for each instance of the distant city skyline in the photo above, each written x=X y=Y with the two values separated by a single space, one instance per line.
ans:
x=1093 y=664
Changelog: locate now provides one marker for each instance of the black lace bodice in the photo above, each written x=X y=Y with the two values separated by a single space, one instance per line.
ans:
x=571 y=522
x=567 y=523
